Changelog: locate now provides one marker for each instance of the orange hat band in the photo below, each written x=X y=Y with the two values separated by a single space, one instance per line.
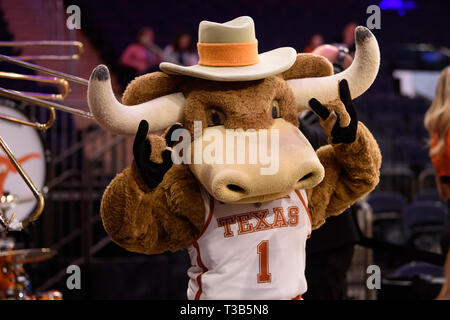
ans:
x=228 y=54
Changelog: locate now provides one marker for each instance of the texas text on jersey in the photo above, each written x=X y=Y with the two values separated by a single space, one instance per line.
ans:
x=240 y=252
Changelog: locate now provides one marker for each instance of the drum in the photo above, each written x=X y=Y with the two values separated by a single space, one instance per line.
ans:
x=14 y=281
x=49 y=295
x=27 y=146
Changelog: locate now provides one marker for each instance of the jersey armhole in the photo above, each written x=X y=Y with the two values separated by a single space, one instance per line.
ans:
x=304 y=199
x=209 y=210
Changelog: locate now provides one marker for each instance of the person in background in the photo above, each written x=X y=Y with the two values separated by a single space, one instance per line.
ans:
x=338 y=56
x=181 y=51
x=330 y=249
x=437 y=122
x=445 y=291
x=141 y=57
x=347 y=38
x=316 y=40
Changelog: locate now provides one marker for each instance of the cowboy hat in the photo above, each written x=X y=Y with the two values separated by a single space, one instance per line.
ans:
x=229 y=52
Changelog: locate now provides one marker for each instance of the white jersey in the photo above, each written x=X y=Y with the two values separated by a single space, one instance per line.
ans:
x=251 y=251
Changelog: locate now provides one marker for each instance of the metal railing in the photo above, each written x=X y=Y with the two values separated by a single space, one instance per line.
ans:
x=80 y=164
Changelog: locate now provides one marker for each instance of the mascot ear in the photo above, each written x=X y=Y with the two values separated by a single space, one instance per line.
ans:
x=150 y=86
x=308 y=65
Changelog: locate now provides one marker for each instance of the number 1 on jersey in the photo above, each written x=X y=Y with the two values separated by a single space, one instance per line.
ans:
x=263 y=251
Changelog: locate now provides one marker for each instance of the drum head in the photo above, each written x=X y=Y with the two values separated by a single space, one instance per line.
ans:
x=27 y=146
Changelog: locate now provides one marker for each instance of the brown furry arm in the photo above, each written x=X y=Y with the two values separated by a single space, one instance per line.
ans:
x=153 y=221
x=351 y=172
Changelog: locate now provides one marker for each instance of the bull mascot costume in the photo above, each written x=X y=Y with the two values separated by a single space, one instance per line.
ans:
x=244 y=223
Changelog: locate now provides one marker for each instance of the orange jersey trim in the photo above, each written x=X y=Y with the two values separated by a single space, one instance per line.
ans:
x=306 y=208
x=199 y=277
x=441 y=162
x=197 y=248
x=208 y=220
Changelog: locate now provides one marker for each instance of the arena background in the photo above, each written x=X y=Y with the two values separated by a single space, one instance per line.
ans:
x=82 y=159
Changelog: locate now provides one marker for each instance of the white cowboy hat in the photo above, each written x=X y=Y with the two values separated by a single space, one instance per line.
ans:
x=229 y=52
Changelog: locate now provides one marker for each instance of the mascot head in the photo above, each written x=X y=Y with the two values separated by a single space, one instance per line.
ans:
x=235 y=89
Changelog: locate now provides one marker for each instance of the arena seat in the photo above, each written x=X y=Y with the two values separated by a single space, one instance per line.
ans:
x=397 y=179
x=426 y=179
x=424 y=213
x=412 y=151
x=387 y=150
x=418 y=269
x=424 y=221
x=428 y=195
x=387 y=210
x=386 y=202
x=415 y=126
x=414 y=280
x=391 y=124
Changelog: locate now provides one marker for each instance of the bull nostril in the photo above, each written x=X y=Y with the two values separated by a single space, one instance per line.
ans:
x=306 y=176
x=234 y=187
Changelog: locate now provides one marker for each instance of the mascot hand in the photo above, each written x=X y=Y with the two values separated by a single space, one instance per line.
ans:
x=151 y=172
x=338 y=117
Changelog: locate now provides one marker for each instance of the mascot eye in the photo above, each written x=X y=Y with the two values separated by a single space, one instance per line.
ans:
x=275 y=109
x=215 y=117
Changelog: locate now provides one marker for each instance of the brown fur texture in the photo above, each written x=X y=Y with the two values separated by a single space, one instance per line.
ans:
x=351 y=172
x=150 y=86
x=308 y=65
x=170 y=216
x=245 y=104
x=158 y=145
x=338 y=107
x=153 y=221
x=249 y=108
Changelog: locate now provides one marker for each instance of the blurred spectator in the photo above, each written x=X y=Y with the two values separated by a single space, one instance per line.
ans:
x=445 y=291
x=141 y=57
x=437 y=122
x=316 y=40
x=347 y=38
x=181 y=51
x=338 y=56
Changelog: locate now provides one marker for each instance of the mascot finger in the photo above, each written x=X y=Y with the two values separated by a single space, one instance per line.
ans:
x=168 y=134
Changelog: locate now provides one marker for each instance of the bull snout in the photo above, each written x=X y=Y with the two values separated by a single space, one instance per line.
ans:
x=239 y=185
x=291 y=164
